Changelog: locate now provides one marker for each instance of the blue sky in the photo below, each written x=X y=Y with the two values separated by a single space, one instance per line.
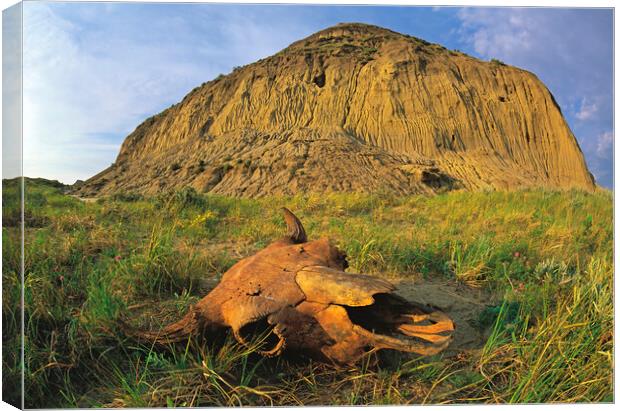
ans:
x=94 y=71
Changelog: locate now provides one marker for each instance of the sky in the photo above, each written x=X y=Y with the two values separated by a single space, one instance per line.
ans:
x=11 y=64
x=94 y=71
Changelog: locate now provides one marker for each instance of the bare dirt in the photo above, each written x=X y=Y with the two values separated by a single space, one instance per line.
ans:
x=462 y=304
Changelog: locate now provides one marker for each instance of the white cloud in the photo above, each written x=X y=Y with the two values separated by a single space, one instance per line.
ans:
x=73 y=89
x=587 y=110
x=570 y=49
x=93 y=72
x=496 y=33
x=604 y=144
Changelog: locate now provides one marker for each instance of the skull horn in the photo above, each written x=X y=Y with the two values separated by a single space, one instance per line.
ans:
x=296 y=231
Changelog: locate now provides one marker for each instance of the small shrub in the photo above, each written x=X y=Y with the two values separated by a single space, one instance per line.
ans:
x=128 y=197
x=201 y=166
x=556 y=271
x=188 y=196
x=209 y=220
x=501 y=316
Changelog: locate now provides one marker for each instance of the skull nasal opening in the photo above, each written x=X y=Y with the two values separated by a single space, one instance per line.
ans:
x=261 y=336
x=377 y=317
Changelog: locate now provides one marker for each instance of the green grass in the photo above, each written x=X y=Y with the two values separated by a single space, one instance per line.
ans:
x=545 y=256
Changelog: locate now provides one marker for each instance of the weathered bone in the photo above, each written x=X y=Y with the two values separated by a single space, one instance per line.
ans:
x=295 y=295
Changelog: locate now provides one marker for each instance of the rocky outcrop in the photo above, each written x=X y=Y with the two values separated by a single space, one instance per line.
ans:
x=355 y=108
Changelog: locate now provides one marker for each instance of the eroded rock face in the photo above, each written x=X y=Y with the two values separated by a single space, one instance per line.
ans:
x=355 y=108
x=295 y=295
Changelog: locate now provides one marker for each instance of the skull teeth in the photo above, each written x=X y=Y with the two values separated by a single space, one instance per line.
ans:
x=436 y=328
x=422 y=333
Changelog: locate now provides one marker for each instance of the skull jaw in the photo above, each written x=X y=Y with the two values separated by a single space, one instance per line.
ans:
x=389 y=323
x=343 y=335
x=361 y=342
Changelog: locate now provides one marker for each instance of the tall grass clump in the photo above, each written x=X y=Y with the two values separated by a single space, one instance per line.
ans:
x=468 y=262
x=562 y=354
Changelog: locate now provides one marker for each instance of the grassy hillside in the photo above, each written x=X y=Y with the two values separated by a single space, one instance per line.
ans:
x=542 y=259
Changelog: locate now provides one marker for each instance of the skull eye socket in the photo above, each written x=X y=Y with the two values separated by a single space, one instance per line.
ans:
x=339 y=257
x=342 y=257
x=261 y=336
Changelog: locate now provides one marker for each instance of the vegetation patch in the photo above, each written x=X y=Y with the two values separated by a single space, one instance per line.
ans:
x=544 y=258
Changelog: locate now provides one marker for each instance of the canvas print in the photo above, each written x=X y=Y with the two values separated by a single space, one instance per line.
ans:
x=209 y=205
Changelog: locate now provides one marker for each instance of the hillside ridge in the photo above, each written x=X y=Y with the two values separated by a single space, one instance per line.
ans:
x=354 y=107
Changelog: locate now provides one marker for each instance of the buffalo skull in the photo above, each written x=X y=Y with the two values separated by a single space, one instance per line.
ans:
x=296 y=293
